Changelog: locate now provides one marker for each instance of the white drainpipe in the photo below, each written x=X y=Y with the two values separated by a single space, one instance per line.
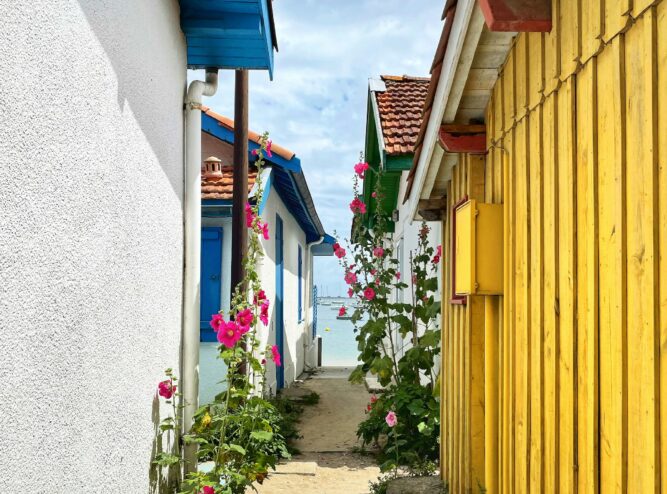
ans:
x=309 y=298
x=192 y=234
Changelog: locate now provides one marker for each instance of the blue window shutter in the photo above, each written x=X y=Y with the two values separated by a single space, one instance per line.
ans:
x=300 y=261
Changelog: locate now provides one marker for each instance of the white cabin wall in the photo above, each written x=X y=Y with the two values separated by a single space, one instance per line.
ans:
x=91 y=239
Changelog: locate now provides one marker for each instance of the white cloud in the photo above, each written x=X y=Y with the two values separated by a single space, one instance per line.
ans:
x=316 y=105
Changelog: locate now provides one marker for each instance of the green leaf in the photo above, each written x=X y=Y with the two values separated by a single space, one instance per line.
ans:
x=237 y=448
x=262 y=435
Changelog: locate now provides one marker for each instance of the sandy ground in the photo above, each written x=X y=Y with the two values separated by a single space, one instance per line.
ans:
x=327 y=464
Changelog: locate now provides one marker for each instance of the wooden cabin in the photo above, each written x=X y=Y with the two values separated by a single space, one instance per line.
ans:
x=555 y=379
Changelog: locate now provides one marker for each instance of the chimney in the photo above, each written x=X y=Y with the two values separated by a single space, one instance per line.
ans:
x=212 y=167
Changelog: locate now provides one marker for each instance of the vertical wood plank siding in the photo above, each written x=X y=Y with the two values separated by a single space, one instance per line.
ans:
x=560 y=385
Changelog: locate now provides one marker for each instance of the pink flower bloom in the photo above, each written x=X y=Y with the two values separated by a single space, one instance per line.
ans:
x=374 y=272
x=207 y=490
x=374 y=399
x=350 y=292
x=166 y=389
x=391 y=419
x=424 y=231
x=249 y=215
x=260 y=297
x=378 y=251
x=342 y=311
x=263 y=361
x=275 y=355
x=369 y=293
x=368 y=407
x=339 y=253
x=414 y=279
x=378 y=281
x=244 y=319
x=265 y=231
x=374 y=195
x=360 y=169
x=438 y=250
x=268 y=149
x=336 y=246
x=357 y=206
x=255 y=152
x=350 y=278
x=216 y=321
x=229 y=334
x=264 y=313
x=398 y=275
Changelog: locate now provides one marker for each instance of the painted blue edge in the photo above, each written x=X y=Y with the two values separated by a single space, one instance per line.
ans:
x=299 y=281
x=266 y=192
x=212 y=127
x=206 y=333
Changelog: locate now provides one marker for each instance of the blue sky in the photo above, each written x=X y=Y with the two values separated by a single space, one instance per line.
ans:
x=316 y=104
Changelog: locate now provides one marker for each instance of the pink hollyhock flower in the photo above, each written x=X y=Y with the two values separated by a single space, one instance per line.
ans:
x=414 y=279
x=342 y=311
x=229 y=334
x=374 y=272
x=369 y=293
x=265 y=231
x=166 y=389
x=244 y=319
x=374 y=399
x=357 y=206
x=275 y=355
x=391 y=419
x=374 y=195
x=249 y=215
x=378 y=281
x=336 y=246
x=368 y=407
x=424 y=231
x=378 y=251
x=263 y=361
x=340 y=253
x=255 y=152
x=264 y=313
x=207 y=490
x=350 y=278
x=260 y=297
x=398 y=275
x=360 y=169
x=438 y=254
x=268 y=149
x=350 y=292
x=216 y=321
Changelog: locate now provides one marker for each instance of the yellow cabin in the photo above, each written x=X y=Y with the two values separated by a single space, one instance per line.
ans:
x=556 y=380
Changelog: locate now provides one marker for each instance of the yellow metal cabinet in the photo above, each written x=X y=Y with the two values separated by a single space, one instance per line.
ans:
x=478 y=249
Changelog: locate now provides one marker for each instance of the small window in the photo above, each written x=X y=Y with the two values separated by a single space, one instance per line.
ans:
x=300 y=282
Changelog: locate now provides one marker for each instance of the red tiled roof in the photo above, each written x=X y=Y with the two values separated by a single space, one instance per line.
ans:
x=400 y=108
x=253 y=136
x=218 y=183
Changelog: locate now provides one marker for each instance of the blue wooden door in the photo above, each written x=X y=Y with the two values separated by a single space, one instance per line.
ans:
x=210 y=280
x=280 y=285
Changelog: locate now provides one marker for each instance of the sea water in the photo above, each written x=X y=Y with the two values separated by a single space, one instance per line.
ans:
x=339 y=348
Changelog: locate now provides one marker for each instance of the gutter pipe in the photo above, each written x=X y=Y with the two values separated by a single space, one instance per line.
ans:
x=191 y=272
x=306 y=326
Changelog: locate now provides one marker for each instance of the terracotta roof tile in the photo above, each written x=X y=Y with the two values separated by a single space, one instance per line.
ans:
x=253 y=136
x=217 y=180
x=400 y=108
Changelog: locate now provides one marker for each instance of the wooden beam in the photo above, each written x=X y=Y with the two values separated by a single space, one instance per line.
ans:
x=517 y=15
x=240 y=188
x=432 y=209
x=463 y=129
x=457 y=142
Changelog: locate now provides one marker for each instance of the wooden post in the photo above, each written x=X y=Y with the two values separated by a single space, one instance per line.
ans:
x=240 y=190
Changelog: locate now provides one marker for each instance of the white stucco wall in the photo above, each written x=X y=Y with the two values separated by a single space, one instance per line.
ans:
x=91 y=257
x=211 y=368
x=295 y=334
x=407 y=234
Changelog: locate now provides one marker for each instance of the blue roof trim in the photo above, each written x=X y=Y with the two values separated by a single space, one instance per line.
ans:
x=229 y=34
x=286 y=177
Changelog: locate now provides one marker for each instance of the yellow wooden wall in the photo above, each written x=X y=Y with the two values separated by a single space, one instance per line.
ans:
x=573 y=358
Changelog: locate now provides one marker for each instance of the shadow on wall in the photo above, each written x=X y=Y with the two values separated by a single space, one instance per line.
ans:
x=161 y=480
x=146 y=63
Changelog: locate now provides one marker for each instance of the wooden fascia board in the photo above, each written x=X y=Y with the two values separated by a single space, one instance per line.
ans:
x=464 y=13
x=462 y=142
x=399 y=163
x=517 y=15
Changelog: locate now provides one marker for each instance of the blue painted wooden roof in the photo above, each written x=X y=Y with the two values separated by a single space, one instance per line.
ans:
x=288 y=180
x=229 y=34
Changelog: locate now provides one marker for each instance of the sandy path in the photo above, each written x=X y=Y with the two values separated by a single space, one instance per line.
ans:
x=327 y=465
